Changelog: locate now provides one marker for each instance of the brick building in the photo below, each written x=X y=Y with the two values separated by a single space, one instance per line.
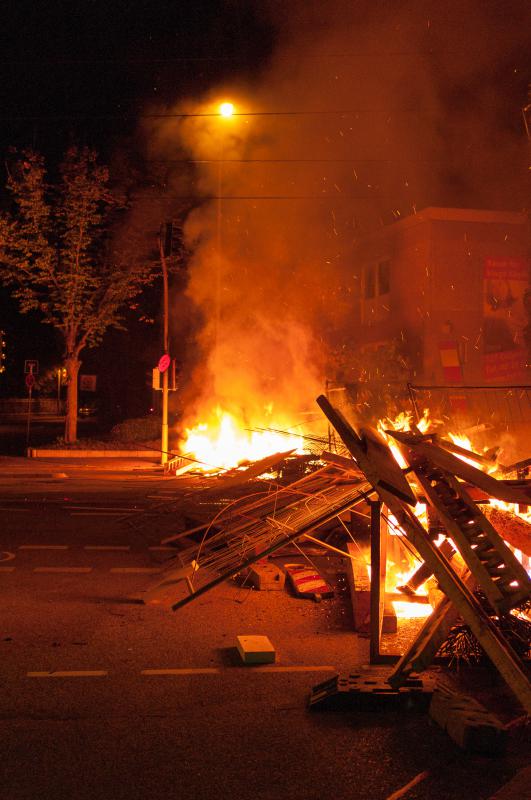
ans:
x=451 y=283
x=446 y=288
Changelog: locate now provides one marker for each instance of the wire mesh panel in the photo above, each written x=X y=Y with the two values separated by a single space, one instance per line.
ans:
x=253 y=526
x=501 y=407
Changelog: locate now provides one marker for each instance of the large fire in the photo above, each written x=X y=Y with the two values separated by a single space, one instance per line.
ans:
x=396 y=576
x=225 y=441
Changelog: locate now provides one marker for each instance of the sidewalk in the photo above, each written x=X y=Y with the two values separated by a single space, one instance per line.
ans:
x=19 y=466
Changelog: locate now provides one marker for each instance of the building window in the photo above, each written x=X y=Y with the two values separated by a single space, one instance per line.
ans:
x=384 y=277
x=375 y=305
x=370 y=282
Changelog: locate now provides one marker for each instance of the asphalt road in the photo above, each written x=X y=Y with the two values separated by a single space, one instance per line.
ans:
x=105 y=697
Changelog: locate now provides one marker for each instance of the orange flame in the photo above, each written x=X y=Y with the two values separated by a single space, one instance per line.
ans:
x=224 y=442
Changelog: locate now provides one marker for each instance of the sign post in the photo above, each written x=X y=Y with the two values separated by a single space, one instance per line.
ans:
x=30 y=382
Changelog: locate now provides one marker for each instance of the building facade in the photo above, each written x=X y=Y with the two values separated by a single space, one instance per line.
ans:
x=450 y=284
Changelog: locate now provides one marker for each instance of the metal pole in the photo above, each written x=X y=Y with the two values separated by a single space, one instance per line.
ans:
x=29 y=415
x=218 y=260
x=376 y=598
x=164 y=432
x=59 y=391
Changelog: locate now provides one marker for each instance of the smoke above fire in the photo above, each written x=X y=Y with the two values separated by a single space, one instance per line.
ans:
x=359 y=118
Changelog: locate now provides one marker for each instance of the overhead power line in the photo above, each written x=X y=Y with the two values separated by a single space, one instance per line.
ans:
x=204 y=198
x=226 y=58
x=293 y=161
x=183 y=115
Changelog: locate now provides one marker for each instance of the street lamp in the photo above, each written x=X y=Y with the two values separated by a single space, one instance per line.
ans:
x=226 y=109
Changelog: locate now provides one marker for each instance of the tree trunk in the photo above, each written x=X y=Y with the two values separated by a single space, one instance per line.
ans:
x=72 y=370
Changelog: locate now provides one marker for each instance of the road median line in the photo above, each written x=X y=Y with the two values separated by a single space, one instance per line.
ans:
x=63 y=569
x=136 y=570
x=73 y=673
x=43 y=547
x=184 y=671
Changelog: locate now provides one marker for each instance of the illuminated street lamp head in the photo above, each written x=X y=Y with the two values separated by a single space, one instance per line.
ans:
x=226 y=109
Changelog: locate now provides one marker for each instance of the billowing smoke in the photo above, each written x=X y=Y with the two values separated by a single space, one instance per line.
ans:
x=359 y=118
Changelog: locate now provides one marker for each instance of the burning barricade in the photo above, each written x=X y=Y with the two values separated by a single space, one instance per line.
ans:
x=460 y=526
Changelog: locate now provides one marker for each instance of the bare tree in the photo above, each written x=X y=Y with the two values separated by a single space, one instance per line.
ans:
x=57 y=254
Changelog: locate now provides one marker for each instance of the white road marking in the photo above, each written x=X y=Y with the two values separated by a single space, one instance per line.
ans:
x=177 y=671
x=132 y=570
x=163 y=549
x=7 y=569
x=43 y=547
x=109 y=547
x=190 y=671
x=63 y=569
x=86 y=673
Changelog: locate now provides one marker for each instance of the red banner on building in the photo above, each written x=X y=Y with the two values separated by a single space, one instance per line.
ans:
x=450 y=362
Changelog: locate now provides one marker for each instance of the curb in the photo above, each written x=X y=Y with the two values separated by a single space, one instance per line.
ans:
x=33 y=452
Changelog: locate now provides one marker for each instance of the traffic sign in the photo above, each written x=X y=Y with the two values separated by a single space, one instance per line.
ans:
x=30 y=380
x=164 y=362
x=31 y=366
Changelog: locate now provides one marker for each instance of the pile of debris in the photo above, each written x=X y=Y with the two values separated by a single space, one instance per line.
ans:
x=468 y=546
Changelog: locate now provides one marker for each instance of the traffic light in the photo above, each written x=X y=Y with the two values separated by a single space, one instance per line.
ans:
x=171 y=239
x=2 y=351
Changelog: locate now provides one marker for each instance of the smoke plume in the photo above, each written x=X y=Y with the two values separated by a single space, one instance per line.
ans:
x=361 y=117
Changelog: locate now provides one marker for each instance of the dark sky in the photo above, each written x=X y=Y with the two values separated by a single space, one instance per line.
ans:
x=76 y=68
x=88 y=70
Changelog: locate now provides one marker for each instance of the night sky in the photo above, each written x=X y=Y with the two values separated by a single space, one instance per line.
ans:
x=452 y=77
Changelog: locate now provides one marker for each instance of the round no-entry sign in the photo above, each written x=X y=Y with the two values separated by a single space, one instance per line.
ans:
x=164 y=362
x=30 y=380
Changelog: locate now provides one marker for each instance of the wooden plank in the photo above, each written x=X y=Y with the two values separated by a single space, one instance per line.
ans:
x=238 y=478
x=360 y=588
x=499 y=599
x=502 y=490
x=345 y=463
x=371 y=454
x=377 y=596
x=510 y=527
x=483 y=628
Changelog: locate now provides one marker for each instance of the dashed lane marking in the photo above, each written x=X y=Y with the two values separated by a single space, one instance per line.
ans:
x=163 y=549
x=7 y=569
x=190 y=671
x=63 y=569
x=139 y=570
x=178 y=671
x=108 y=547
x=43 y=547
x=85 y=673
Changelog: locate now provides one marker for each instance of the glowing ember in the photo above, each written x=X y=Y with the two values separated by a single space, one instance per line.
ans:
x=225 y=442
x=404 y=609
x=402 y=422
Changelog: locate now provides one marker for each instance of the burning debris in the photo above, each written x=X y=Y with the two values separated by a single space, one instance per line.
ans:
x=446 y=535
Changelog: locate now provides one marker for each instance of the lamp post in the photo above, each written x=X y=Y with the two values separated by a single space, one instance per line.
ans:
x=226 y=110
x=165 y=344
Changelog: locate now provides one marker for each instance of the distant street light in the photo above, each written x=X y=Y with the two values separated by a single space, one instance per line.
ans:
x=226 y=109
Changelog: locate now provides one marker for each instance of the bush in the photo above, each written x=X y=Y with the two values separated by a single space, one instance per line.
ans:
x=142 y=429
